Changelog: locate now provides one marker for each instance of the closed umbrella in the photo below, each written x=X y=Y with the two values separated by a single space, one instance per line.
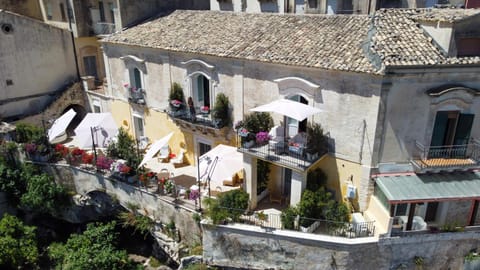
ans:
x=156 y=146
x=60 y=125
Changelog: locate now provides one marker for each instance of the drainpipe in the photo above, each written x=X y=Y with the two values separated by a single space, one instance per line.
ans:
x=69 y=14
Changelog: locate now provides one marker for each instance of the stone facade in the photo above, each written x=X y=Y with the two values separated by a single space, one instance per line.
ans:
x=151 y=205
x=33 y=67
x=249 y=247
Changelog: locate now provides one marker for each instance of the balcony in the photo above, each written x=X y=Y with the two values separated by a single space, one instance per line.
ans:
x=446 y=158
x=202 y=122
x=136 y=96
x=281 y=153
x=103 y=28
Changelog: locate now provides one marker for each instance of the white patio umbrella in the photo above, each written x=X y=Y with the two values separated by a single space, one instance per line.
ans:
x=290 y=108
x=60 y=125
x=228 y=162
x=154 y=148
x=104 y=130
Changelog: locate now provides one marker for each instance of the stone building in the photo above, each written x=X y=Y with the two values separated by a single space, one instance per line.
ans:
x=382 y=83
x=33 y=68
x=331 y=6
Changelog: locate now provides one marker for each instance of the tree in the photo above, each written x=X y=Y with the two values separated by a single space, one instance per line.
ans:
x=43 y=195
x=93 y=249
x=18 y=245
x=125 y=148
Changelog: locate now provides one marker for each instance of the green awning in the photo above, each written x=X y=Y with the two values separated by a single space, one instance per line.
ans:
x=430 y=187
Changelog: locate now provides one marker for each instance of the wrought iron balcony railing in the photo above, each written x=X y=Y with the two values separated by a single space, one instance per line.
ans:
x=447 y=156
x=279 y=152
x=182 y=114
x=103 y=28
x=137 y=96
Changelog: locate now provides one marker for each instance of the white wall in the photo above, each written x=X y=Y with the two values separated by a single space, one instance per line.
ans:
x=37 y=58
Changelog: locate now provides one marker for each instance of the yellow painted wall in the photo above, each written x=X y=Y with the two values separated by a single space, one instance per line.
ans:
x=339 y=172
x=157 y=125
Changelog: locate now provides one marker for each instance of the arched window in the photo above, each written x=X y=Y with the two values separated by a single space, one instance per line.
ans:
x=293 y=125
x=135 y=78
x=201 y=91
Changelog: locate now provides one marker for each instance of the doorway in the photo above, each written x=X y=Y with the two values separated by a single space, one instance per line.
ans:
x=90 y=66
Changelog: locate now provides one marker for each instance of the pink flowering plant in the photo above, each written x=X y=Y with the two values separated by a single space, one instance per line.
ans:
x=194 y=194
x=104 y=163
x=204 y=109
x=262 y=137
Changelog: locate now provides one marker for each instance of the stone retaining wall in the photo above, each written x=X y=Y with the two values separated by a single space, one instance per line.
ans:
x=250 y=247
x=83 y=181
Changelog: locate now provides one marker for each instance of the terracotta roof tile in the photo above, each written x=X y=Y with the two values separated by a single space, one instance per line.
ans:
x=357 y=43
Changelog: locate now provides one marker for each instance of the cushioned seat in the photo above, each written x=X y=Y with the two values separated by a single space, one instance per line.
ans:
x=277 y=139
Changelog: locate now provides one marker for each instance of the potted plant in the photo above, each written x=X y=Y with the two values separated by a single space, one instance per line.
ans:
x=262 y=137
x=176 y=97
x=221 y=111
x=316 y=141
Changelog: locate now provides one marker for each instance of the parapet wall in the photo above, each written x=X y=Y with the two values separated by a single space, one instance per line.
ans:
x=251 y=247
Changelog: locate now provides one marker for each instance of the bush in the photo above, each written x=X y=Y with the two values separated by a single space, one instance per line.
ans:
x=29 y=133
x=258 y=121
x=288 y=217
x=316 y=179
x=229 y=205
x=176 y=93
x=93 y=249
x=221 y=110
x=263 y=172
x=316 y=141
x=125 y=148
x=140 y=223
x=18 y=245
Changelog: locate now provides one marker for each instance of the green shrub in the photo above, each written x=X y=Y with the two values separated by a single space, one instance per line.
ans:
x=263 y=171
x=258 y=121
x=139 y=223
x=18 y=248
x=26 y=133
x=316 y=179
x=288 y=217
x=228 y=205
x=316 y=141
x=125 y=148
x=176 y=93
x=221 y=110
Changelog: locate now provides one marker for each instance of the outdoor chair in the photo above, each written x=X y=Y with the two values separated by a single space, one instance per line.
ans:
x=297 y=144
x=179 y=161
x=277 y=138
x=164 y=154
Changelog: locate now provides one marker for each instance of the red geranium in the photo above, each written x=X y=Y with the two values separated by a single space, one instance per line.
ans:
x=87 y=158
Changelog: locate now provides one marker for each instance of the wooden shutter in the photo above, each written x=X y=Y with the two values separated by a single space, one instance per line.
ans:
x=439 y=129
x=464 y=126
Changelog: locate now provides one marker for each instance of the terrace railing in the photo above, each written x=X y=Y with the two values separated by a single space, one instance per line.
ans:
x=447 y=156
x=273 y=221
x=281 y=153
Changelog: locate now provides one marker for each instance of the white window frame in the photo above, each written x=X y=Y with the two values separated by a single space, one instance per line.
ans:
x=138 y=133
x=97 y=103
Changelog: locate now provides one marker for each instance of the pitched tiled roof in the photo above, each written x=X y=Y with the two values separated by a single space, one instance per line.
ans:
x=446 y=14
x=398 y=40
x=330 y=42
x=357 y=43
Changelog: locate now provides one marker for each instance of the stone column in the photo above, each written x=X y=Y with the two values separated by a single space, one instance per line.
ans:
x=250 y=165
x=298 y=186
